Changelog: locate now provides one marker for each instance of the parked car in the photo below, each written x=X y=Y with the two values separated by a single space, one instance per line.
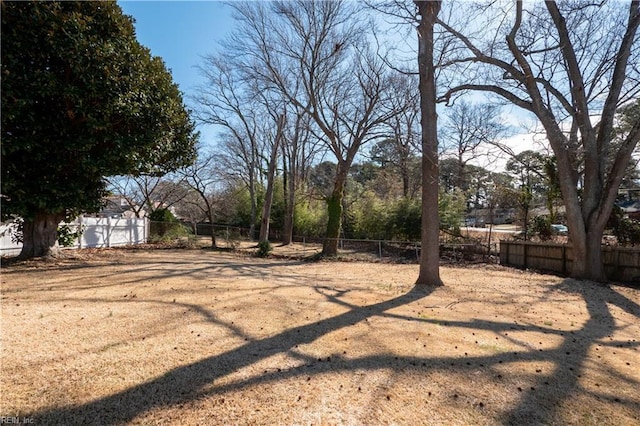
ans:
x=473 y=222
x=559 y=229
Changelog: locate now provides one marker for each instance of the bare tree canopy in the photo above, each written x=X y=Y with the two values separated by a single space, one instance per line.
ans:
x=203 y=182
x=317 y=56
x=144 y=194
x=468 y=131
x=572 y=65
x=228 y=101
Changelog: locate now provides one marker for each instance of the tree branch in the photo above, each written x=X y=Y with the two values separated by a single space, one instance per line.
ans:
x=511 y=97
x=577 y=88
x=623 y=157
x=618 y=78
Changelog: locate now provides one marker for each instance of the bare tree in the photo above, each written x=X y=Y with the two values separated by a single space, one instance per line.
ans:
x=228 y=101
x=268 y=196
x=249 y=108
x=314 y=54
x=467 y=132
x=404 y=140
x=203 y=179
x=572 y=65
x=425 y=15
x=191 y=209
x=430 y=233
x=528 y=170
x=145 y=193
x=299 y=149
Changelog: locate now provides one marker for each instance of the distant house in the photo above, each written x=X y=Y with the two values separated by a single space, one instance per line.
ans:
x=630 y=208
x=499 y=216
x=629 y=201
x=628 y=194
x=118 y=207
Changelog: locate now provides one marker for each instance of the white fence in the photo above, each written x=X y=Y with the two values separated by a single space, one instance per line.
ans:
x=97 y=232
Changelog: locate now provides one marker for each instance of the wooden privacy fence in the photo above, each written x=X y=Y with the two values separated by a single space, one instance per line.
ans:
x=620 y=263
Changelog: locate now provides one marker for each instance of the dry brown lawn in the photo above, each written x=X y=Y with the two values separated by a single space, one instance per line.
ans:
x=202 y=337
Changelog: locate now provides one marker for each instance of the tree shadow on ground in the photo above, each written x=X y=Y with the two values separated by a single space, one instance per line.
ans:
x=153 y=269
x=538 y=405
x=188 y=383
x=569 y=358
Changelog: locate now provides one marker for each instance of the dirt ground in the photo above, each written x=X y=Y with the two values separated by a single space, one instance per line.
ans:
x=201 y=337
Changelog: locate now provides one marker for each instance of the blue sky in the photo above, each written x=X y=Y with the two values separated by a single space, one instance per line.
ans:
x=181 y=32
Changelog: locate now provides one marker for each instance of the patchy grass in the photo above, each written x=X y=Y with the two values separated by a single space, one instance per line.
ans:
x=141 y=336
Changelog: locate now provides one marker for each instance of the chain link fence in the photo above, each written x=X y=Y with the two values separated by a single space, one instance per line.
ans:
x=454 y=248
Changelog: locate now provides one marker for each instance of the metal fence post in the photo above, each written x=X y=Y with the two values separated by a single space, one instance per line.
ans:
x=108 y=242
x=81 y=233
x=507 y=249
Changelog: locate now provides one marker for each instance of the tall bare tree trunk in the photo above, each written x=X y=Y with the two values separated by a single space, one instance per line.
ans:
x=289 y=206
x=214 y=244
x=254 y=205
x=213 y=238
x=40 y=235
x=430 y=233
x=587 y=255
x=404 y=171
x=334 y=206
x=268 y=196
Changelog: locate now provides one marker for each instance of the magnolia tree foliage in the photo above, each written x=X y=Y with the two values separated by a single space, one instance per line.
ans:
x=81 y=100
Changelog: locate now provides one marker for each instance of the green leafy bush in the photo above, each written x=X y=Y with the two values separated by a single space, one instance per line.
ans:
x=164 y=226
x=310 y=218
x=15 y=230
x=264 y=249
x=162 y=215
x=404 y=220
x=68 y=236
x=369 y=217
x=451 y=208
x=626 y=231
x=541 y=226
